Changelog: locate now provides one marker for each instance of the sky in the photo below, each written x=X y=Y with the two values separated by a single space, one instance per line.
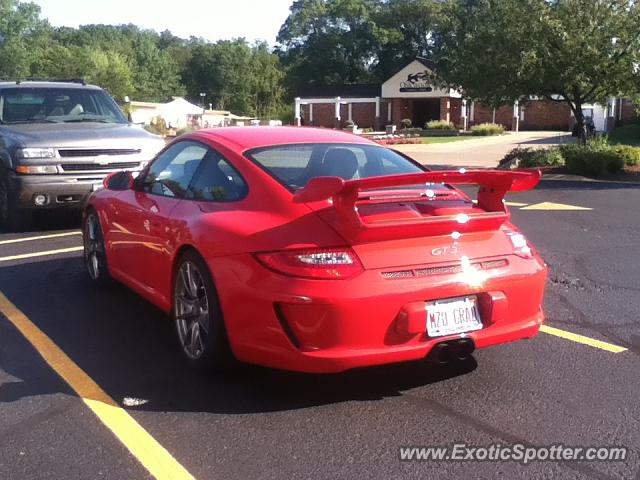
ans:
x=210 y=19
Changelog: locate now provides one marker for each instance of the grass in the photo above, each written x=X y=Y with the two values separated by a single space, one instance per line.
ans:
x=626 y=135
x=429 y=140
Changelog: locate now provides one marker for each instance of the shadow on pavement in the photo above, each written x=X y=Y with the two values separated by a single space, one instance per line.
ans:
x=45 y=220
x=128 y=347
x=553 y=140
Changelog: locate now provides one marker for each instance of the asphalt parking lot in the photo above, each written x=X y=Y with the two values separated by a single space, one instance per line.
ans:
x=556 y=388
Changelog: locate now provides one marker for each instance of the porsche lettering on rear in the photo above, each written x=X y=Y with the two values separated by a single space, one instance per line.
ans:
x=439 y=251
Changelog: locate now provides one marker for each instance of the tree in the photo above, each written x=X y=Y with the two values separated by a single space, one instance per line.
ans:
x=235 y=76
x=405 y=31
x=570 y=51
x=266 y=88
x=329 y=41
x=20 y=30
x=156 y=75
x=111 y=71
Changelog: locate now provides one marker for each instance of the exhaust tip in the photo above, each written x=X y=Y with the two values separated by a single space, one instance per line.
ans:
x=446 y=352
x=440 y=354
x=464 y=348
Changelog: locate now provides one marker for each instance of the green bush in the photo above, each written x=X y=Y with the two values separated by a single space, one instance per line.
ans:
x=626 y=134
x=593 y=159
x=184 y=130
x=415 y=131
x=406 y=123
x=439 y=125
x=530 y=158
x=486 y=129
x=158 y=126
x=630 y=155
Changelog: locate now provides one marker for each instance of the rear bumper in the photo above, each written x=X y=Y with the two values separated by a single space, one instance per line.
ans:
x=61 y=191
x=336 y=325
x=340 y=359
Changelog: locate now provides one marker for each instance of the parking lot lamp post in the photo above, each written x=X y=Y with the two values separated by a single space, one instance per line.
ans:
x=297 y=115
x=463 y=115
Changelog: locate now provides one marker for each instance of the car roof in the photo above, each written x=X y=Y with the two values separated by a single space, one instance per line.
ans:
x=46 y=84
x=244 y=138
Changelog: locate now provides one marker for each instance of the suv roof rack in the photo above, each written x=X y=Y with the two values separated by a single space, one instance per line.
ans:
x=80 y=81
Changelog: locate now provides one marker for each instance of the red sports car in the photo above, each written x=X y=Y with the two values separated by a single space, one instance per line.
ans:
x=316 y=250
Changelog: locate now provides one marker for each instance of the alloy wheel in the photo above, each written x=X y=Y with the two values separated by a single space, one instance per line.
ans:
x=93 y=246
x=191 y=306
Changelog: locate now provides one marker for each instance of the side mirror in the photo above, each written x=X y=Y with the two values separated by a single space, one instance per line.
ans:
x=119 y=181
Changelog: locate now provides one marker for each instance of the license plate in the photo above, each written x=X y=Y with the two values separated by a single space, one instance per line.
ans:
x=452 y=315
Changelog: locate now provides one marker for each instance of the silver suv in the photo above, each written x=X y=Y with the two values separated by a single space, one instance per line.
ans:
x=58 y=140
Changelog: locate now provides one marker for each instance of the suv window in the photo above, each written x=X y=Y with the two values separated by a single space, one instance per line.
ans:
x=57 y=105
x=217 y=181
x=171 y=173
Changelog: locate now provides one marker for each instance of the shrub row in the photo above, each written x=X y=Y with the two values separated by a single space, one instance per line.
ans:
x=529 y=158
x=440 y=125
x=591 y=160
x=486 y=129
x=594 y=159
x=629 y=154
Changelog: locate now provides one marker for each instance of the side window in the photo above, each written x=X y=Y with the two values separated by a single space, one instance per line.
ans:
x=171 y=173
x=217 y=181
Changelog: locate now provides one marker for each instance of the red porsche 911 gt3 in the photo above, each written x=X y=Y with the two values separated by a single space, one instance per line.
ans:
x=316 y=250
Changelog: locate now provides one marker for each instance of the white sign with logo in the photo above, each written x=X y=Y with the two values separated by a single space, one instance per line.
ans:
x=413 y=81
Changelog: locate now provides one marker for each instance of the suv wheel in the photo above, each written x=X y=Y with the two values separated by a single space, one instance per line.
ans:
x=11 y=217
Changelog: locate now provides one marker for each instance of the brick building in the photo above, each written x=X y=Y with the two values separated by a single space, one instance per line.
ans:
x=408 y=94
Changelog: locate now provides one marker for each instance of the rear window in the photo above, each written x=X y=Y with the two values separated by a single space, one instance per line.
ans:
x=295 y=165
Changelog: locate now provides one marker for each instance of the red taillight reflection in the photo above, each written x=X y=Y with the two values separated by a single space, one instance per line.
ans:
x=326 y=264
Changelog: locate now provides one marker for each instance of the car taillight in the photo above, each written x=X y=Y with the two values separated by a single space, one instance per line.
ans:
x=322 y=263
x=520 y=244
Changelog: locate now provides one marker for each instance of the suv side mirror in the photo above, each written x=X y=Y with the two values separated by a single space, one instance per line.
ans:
x=119 y=181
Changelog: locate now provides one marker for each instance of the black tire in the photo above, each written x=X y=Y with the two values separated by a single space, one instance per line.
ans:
x=95 y=253
x=12 y=218
x=197 y=316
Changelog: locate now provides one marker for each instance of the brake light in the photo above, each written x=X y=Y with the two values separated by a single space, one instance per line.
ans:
x=520 y=244
x=321 y=263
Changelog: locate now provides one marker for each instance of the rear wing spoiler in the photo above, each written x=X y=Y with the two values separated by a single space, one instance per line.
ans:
x=344 y=194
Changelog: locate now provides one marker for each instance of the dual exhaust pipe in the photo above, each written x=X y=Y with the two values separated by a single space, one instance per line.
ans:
x=451 y=351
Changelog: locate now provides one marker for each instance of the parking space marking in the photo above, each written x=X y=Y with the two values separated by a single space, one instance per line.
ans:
x=592 y=342
x=40 y=254
x=40 y=237
x=146 y=449
x=554 y=206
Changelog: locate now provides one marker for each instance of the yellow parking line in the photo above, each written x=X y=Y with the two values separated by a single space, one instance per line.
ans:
x=609 y=347
x=554 y=206
x=153 y=456
x=39 y=237
x=40 y=254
